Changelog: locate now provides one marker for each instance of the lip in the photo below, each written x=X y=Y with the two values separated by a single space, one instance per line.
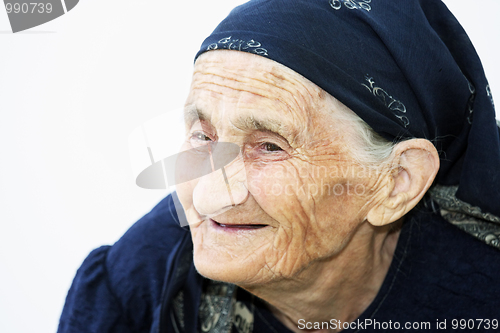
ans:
x=236 y=227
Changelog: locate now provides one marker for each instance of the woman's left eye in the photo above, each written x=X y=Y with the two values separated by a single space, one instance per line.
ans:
x=271 y=147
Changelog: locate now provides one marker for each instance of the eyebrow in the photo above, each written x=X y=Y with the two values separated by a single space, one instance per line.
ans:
x=193 y=114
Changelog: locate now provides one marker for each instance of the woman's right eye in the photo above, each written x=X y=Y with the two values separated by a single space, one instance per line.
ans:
x=199 y=138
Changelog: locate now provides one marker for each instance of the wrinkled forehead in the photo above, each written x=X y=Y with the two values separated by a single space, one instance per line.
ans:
x=223 y=58
x=256 y=93
x=251 y=78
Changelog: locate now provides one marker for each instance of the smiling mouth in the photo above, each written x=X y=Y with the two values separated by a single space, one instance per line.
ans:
x=238 y=226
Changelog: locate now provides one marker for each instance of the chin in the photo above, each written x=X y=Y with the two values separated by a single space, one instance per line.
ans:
x=222 y=266
x=240 y=261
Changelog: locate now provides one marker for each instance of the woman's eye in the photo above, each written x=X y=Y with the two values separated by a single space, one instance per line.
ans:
x=271 y=147
x=200 y=136
x=199 y=139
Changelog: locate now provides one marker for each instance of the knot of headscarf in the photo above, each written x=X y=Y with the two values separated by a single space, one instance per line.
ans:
x=407 y=68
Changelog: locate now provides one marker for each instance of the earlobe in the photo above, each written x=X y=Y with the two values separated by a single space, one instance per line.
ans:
x=415 y=164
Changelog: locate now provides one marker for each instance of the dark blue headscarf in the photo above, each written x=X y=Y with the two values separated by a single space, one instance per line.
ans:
x=407 y=68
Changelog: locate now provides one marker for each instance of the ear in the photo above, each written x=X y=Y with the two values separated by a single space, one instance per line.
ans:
x=413 y=166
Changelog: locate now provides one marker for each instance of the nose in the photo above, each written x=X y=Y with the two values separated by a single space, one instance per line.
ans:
x=221 y=190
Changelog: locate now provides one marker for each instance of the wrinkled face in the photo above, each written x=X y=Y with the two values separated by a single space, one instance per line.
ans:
x=293 y=196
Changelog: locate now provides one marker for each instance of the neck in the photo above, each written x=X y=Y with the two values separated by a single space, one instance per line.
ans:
x=340 y=287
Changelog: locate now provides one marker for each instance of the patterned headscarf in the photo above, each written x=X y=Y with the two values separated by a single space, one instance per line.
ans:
x=407 y=68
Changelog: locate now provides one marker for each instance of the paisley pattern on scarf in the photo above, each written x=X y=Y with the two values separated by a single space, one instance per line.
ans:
x=470 y=102
x=488 y=93
x=390 y=102
x=484 y=226
x=219 y=312
x=230 y=43
x=351 y=4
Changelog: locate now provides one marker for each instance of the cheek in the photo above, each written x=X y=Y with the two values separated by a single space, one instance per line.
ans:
x=340 y=210
x=317 y=209
x=295 y=186
x=288 y=192
x=274 y=186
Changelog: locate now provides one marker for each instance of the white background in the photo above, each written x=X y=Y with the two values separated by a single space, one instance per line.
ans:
x=71 y=92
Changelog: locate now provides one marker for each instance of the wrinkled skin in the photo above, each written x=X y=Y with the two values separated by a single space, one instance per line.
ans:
x=289 y=135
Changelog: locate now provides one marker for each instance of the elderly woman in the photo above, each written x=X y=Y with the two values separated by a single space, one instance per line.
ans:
x=366 y=145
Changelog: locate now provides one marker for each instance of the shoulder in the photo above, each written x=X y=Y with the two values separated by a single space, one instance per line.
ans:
x=150 y=239
x=119 y=288
x=136 y=264
x=440 y=272
x=467 y=262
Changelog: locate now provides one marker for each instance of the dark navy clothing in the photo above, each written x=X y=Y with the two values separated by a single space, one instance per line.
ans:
x=438 y=273
x=119 y=288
